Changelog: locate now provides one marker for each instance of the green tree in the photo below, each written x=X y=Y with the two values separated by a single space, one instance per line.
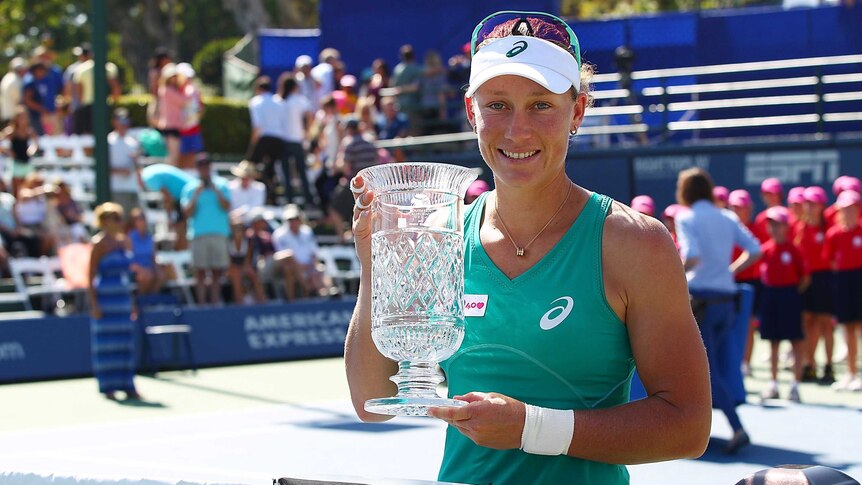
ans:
x=208 y=61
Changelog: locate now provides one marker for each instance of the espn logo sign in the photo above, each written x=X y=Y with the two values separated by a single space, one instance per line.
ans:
x=819 y=167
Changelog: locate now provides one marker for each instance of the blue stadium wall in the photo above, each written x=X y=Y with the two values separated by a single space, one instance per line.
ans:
x=377 y=28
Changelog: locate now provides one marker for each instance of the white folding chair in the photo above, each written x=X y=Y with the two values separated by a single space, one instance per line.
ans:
x=181 y=262
x=48 y=145
x=45 y=268
x=341 y=264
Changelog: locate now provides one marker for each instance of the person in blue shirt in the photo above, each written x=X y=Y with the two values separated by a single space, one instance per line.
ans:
x=170 y=181
x=707 y=236
x=35 y=93
x=206 y=203
x=392 y=124
x=49 y=86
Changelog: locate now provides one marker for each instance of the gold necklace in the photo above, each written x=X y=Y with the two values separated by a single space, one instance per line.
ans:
x=519 y=251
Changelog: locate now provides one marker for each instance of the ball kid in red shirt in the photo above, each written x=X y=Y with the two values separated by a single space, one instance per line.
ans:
x=772 y=193
x=842 y=183
x=784 y=277
x=844 y=249
x=810 y=237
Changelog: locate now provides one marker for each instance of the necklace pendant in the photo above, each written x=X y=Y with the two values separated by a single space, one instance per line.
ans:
x=519 y=252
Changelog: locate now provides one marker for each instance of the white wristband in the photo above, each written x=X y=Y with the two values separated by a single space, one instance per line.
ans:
x=547 y=431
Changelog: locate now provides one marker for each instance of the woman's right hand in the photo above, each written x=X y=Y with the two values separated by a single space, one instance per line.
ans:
x=362 y=198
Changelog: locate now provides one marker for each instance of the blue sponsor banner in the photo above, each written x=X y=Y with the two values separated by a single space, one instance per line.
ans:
x=654 y=171
x=51 y=348
x=44 y=348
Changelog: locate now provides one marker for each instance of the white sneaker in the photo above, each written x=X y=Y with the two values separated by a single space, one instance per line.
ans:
x=843 y=384
x=855 y=385
x=771 y=391
x=794 y=394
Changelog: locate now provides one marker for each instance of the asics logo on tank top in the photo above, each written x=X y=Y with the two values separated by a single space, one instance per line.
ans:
x=857 y=241
x=557 y=314
x=786 y=258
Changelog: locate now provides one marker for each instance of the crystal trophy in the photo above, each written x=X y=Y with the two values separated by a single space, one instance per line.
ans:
x=417 y=272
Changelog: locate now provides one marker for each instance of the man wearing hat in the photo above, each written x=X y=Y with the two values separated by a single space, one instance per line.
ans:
x=296 y=253
x=307 y=87
x=124 y=151
x=205 y=203
x=10 y=88
x=246 y=193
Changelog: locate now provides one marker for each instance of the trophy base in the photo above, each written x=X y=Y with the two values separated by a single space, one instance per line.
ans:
x=408 y=406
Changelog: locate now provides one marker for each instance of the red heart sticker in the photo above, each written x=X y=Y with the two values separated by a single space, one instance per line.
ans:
x=480 y=305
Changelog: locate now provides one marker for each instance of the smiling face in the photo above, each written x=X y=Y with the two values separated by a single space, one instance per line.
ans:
x=523 y=129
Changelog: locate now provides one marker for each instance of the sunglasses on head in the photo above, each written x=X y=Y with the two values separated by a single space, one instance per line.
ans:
x=554 y=29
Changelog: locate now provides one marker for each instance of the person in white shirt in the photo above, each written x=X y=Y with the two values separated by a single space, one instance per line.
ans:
x=296 y=252
x=124 y=153
x=246 y=193
x=307 y=86
x=10 y=88
x=267 y=145
x=324 y=73
x=296 y=117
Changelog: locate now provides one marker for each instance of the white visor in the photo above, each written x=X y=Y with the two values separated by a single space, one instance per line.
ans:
x=538 y=60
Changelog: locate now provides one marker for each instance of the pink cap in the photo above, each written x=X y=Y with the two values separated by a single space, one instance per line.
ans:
x=851 y=183
x=848 y=198
x=477 y=187
x=739 y=198
x=838 y=185
x=348 y=81
x=771 y=186
x=796 y=195
x=778 y=214
x=815 y=195
x=673 y=210
x=720 y=193
x=644 y=204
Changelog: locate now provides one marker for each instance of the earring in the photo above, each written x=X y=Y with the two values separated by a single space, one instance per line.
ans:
x=574 y=132
x=474 y=128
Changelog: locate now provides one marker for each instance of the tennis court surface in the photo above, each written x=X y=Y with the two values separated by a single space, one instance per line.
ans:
x=250 y=424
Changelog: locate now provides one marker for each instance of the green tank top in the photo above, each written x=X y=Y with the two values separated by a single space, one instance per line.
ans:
x=548 y=338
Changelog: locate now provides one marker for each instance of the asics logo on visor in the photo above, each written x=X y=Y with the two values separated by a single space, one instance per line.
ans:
x=547 y=322
x=519 y=47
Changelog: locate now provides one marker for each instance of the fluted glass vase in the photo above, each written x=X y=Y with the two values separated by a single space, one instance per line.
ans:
x=417 y=289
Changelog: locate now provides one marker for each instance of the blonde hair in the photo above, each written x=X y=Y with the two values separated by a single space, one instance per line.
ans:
x=105 y=210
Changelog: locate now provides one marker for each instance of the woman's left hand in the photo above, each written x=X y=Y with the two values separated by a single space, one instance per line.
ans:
x=489 y=419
